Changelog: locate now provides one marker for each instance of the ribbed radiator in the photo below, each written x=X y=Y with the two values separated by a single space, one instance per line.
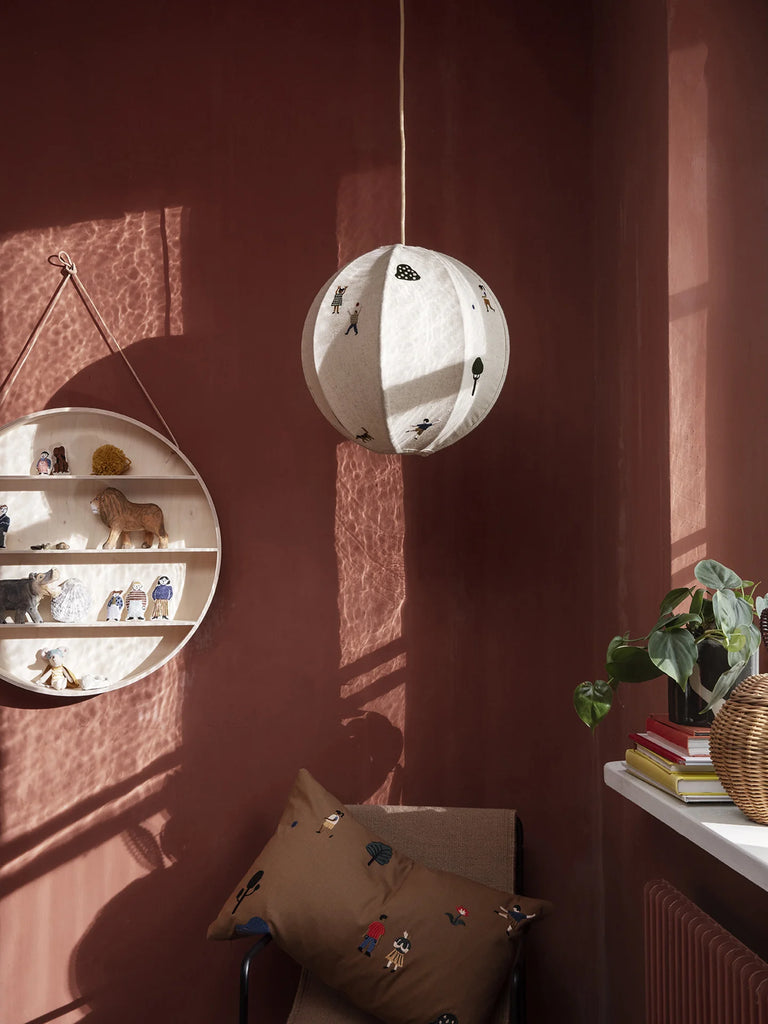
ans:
x=695 y=971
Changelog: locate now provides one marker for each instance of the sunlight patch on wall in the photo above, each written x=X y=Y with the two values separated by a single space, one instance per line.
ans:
x=131 y=267
x=370 y=540
x=688 y=279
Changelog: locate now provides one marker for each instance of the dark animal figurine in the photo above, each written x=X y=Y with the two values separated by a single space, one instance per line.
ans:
x=23 y=596
x=60 y=464
x=124 y=517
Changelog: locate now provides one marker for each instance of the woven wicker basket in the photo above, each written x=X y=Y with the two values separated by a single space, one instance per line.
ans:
x=738 y=746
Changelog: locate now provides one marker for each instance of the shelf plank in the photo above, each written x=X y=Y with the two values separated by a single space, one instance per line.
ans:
x=721 y=829
x=123 y=629
x=99 y=555
x=21 y=482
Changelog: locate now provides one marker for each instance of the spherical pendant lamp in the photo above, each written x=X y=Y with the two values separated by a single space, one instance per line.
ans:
x=405 y=350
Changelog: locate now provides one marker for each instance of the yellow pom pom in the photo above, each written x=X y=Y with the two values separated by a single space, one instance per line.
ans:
x=109 y=461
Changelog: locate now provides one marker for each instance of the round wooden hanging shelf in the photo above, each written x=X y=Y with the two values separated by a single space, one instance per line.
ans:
x=55 y=509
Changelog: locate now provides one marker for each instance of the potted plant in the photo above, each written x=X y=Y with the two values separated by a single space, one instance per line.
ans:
x=696 y=626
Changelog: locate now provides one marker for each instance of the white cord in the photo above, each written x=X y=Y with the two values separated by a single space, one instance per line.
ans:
x=402 y=122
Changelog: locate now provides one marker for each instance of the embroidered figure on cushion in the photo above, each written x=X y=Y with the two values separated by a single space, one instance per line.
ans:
x=424 y=425
x=161 y=595
x=406 y=273
x=44 y=464
x=330 y=823
x=249 y=889
x=338 y=298
x=458 y=918
x=365 y=437
x=372 y=936
x=354 y=316
x=477 y=369
x=486 y=300
x=446 y=1018
x=5 y=524
x=137 y=601
x=515 y=916
x=396 y=955
x=380 y=852
x=115 y=605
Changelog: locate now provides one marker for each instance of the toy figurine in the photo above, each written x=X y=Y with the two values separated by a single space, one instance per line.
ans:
x=57 y=675
x=124 y=517
x=5 y=524
x=44 y=464
x=115 y=605
x=60 y=464
x=137 y=601
x=161 y=595
x=22 y=596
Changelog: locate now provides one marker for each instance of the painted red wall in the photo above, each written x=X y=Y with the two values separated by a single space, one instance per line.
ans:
x=407 y=629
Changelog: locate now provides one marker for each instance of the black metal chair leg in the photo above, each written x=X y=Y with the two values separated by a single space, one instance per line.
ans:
x=245 y=971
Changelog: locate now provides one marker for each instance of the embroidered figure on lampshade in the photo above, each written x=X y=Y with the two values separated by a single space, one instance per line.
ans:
x=488 y=307
x=338 y=298
x=354 y=316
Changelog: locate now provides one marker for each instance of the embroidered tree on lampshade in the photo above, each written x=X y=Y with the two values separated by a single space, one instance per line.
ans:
x=405 y=350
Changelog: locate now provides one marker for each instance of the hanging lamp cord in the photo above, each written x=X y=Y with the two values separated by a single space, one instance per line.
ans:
x=69 y=273
x=402 y=122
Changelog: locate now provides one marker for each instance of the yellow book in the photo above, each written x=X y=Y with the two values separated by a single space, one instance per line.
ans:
x=704 y=783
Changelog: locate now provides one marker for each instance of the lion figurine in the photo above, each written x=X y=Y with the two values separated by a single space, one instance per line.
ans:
x=124 y=517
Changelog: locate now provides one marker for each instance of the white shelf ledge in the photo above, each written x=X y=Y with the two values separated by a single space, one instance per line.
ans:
x=721 y=829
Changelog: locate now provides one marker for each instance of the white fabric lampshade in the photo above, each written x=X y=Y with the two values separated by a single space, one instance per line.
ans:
x=405 y=350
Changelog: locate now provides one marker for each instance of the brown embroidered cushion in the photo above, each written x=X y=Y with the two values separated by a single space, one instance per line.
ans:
x=402 y=941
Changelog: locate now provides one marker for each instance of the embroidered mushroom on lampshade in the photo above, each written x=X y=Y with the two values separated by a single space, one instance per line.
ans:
x=405 y=350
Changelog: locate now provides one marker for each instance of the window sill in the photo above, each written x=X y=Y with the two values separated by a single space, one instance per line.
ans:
x=720 y=829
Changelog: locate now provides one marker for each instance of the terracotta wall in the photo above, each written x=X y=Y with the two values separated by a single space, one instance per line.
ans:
x=688 y=478
x=410 y=630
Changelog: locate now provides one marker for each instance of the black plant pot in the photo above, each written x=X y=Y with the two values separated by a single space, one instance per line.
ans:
x=687 y=707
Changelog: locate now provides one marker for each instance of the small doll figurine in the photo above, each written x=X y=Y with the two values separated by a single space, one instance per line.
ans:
x=137 y=601
x=57 y=675
x=161 y=595
x=5 y=524
x=44 y=464
x=115 y=605
x=60 y=464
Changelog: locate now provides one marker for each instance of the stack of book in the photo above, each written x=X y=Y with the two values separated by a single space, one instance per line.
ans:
x=675 y=758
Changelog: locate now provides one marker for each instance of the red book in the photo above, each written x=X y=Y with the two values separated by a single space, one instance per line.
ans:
x=692 y=738
x=672 y=752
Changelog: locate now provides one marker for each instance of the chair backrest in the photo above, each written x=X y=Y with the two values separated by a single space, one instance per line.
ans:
x=484 y=845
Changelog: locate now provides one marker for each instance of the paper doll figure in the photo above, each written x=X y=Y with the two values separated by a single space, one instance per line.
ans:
x=5 y=524
x=396 y=955
x=137 y=601
x=486 y=300
x=44 y=464
x=161 y=595
x=115 y=605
